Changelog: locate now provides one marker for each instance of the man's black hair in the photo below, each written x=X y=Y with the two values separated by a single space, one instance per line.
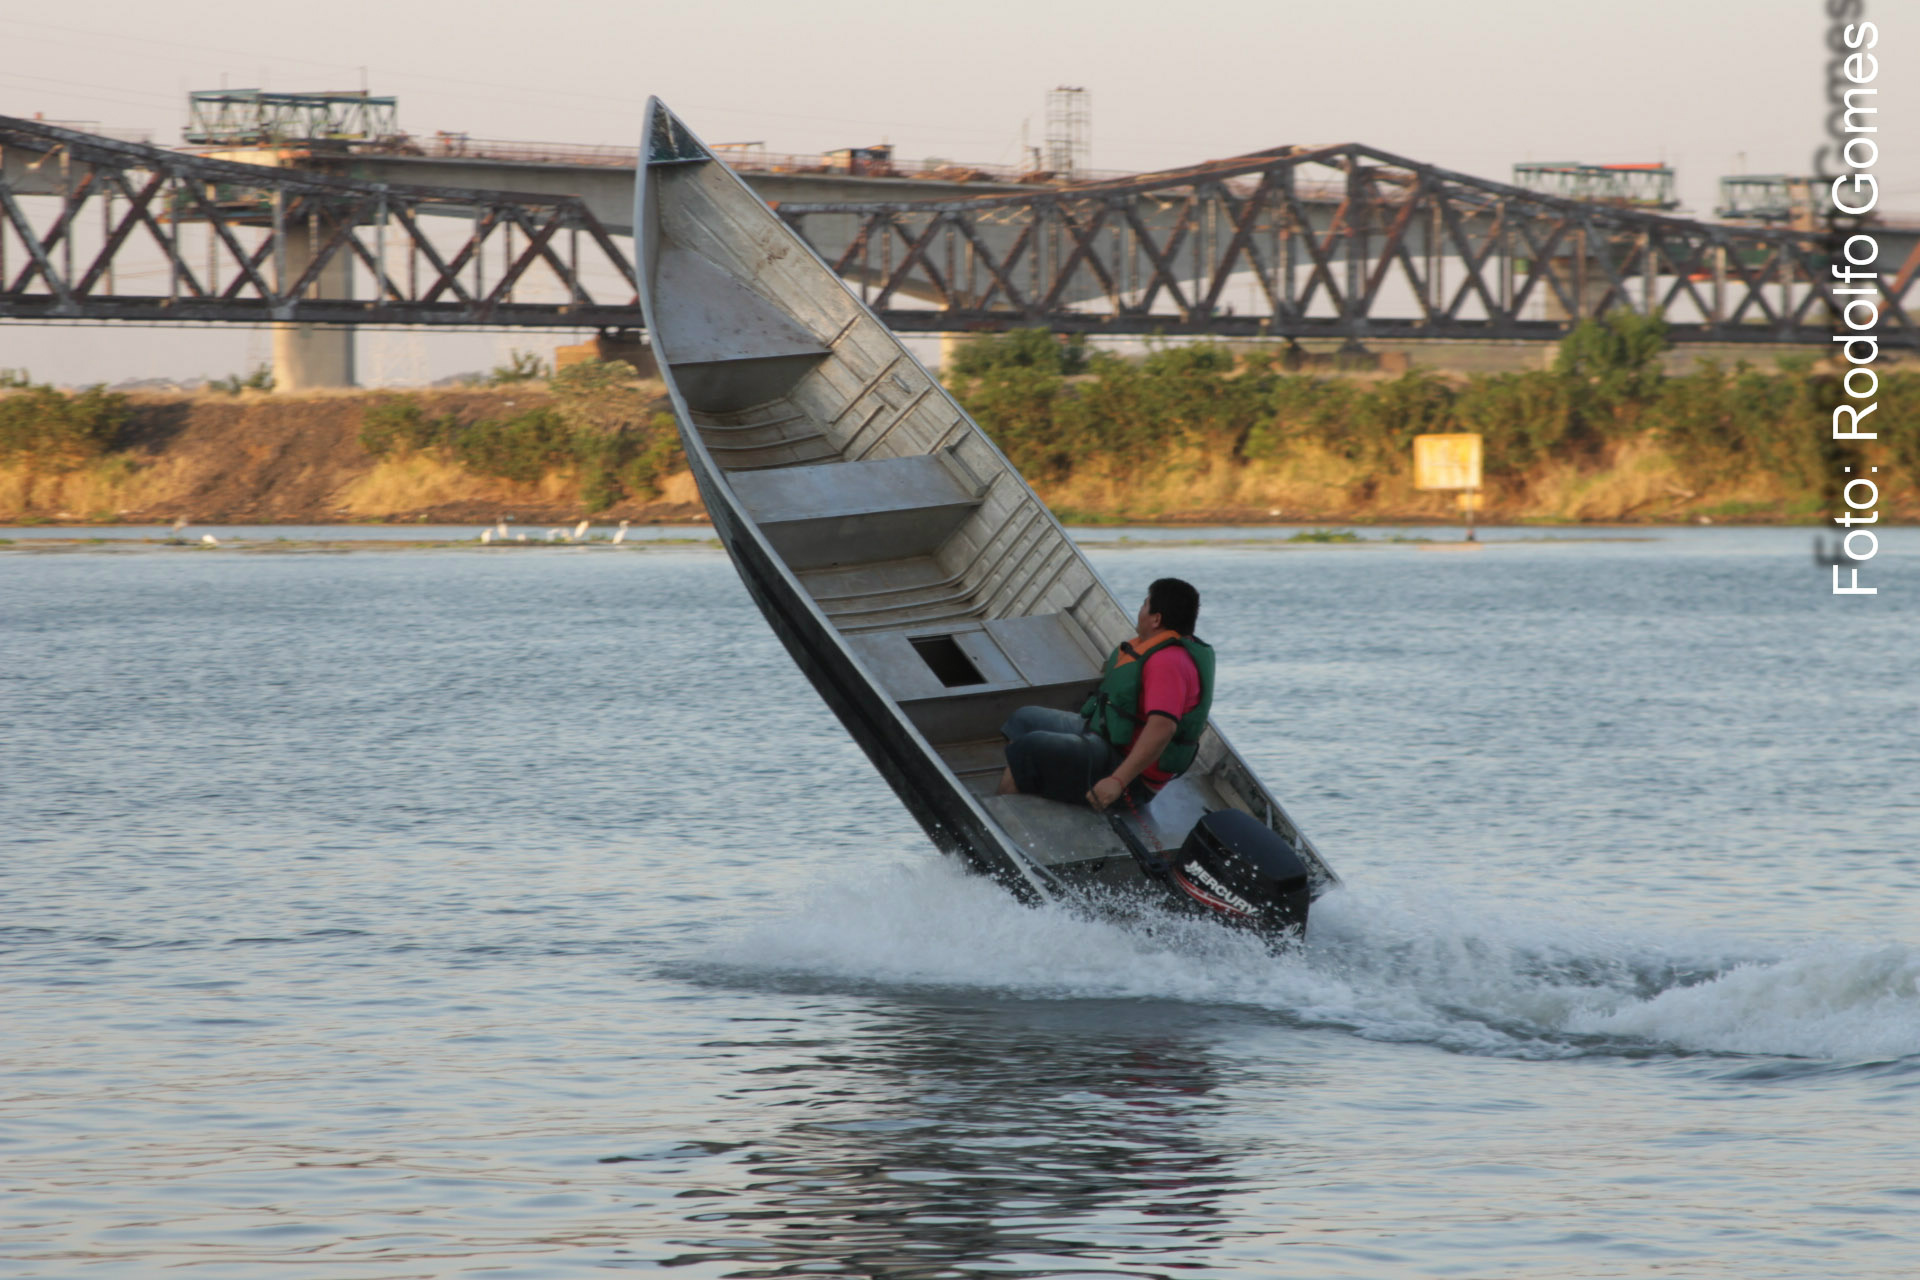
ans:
x=1177 y=603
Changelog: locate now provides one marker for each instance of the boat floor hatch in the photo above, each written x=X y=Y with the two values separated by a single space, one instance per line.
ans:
x=960 y=683
x=854 y=512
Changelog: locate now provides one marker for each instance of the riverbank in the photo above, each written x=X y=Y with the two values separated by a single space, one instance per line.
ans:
x=1606 y=435
x=323 y=458
x=1192 y=435
x=286 y=539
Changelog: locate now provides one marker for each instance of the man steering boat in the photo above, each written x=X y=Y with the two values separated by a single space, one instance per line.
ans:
x=1141 y=727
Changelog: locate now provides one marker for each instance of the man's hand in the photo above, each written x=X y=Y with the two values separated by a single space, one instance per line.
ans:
x=1153 y=739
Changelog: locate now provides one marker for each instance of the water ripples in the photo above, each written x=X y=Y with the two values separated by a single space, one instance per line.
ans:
x=391 y=915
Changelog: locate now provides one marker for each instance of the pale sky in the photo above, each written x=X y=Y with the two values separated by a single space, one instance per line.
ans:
x=1712 y=87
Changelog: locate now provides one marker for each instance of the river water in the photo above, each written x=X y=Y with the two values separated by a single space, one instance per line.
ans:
x=521 y=913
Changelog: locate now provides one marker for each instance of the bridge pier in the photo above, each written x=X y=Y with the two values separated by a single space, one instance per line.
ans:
x=1590 y=286
x=309 y=357
x=609 y=345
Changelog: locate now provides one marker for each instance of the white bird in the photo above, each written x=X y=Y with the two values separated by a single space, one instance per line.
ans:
x=209 y=540
x=580 y=530
x=179 y=523
x=554 y=535
x=521 y=538
x=500 y=528
x=486 y=535
x=621 y=536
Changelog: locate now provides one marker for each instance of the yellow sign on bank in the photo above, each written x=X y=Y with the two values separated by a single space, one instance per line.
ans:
x=1447 y=461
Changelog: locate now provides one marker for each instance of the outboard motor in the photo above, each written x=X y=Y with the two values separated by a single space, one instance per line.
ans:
x=1244 y=872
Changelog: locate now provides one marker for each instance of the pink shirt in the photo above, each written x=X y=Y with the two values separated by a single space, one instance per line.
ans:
x=1170 y=685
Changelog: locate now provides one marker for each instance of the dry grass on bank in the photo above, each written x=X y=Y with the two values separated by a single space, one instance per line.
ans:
x=420 y=481
x=103 y=490
x=1630 y=480
x=1307 y=485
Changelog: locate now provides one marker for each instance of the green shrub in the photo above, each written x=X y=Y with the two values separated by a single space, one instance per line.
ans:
x=655 y=454
x=521 y=366
x=1301 y=407
x=1607 y=383
x=598 y=425
x=1019 y=349
x=1720 y=426
x=1391 y=414
x=599 y=488
x=1016 y=406
x=599 y=397
x=60 y=430
x=622 y=450
x=522 y=448
x=261 y=379
x=398 y=425
x=1621 y=354
x=1189 y=359
x=1127 y=413
x=1193 y=395
x=1899 y=401
x=1522 y=418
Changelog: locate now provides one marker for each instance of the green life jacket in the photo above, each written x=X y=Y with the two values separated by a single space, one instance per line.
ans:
x=1113 y=711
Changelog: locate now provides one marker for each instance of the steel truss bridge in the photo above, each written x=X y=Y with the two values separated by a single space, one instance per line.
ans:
x=249 y=244
x=1340 y=242
x=1344 y=242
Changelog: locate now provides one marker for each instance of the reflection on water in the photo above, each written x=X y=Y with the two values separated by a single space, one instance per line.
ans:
x=950 y=1140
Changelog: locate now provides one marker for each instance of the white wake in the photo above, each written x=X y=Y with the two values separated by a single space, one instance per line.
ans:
x=1453 y=973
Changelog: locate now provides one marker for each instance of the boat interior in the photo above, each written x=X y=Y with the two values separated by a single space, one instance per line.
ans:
x=920 y=544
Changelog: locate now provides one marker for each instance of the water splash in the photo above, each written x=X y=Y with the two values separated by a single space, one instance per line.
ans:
x=1460 y=973
x=1845 y=1003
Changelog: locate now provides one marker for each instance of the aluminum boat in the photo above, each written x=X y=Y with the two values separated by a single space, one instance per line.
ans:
x=915 y=577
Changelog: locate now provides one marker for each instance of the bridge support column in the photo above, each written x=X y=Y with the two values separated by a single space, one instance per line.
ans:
x=1590 y=286
x=609 y=345
x=308 y=357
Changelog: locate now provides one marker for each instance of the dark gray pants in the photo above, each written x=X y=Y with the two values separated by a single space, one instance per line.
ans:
x=1052 y=754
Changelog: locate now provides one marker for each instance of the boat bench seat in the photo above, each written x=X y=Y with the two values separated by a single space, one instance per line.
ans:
x=959 y=683
x=841 y=513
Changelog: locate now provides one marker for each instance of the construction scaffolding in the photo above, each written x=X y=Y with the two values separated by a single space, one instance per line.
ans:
x=1639 y=186
x=253 y=117
x=1069 y=133
x=1774 y=197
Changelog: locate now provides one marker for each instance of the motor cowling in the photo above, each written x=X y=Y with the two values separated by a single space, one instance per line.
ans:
x=1244 y=872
